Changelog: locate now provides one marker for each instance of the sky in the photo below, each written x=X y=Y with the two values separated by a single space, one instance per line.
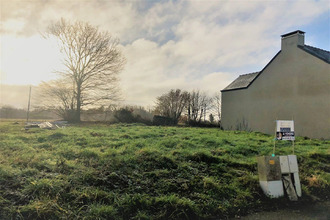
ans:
x=190 y=45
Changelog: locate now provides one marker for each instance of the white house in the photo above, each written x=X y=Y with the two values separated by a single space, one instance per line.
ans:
x=295 y=84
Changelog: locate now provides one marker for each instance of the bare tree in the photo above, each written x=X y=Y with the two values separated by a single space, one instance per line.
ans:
x=92 y=62
x=198 y=104
x=172 y=104
x=216 y=105
x=59 y=96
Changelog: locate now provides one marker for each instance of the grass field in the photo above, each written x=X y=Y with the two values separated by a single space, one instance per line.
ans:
x=97 y=171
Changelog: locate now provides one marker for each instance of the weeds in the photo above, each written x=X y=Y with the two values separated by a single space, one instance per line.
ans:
x=141 y=172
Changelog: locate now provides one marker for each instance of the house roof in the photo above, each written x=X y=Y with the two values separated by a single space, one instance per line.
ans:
x=243 y=81
x=317 y=52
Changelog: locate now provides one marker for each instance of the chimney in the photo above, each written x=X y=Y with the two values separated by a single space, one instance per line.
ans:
x=293 y=39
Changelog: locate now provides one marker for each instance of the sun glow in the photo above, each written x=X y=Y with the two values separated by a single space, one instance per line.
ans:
x=28 y=60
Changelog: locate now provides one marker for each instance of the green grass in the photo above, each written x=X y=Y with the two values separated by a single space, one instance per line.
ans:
x=97 y=171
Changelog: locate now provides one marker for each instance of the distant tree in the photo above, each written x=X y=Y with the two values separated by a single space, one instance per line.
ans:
x=132 y=114
x=125 y=115
x=8 y=111
x=59 y=96
x=92 y=62
x=139 y=111
x=162 y=121
x=216 y=105
x=172 y=104
x=211 y=118
x=197 y=106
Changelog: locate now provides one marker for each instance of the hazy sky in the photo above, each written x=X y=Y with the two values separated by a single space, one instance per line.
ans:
x=168 y=44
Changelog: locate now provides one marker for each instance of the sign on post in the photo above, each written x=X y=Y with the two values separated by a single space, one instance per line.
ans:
x=285 y=130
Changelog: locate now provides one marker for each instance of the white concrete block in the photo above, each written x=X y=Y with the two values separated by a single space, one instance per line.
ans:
x=297 y=183
x=272 y=189
x=284 y=164
x=293 y=164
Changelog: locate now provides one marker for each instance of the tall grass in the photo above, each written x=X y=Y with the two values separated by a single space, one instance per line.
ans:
x=134 y=171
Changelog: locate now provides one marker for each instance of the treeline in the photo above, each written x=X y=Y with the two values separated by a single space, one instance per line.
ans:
x=174 y=107
x=10 y=112
x=112 y=114
x=119 y=114
x=194 y=108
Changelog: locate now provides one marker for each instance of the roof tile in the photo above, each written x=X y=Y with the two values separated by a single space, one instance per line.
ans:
x=321 y=54
x=242 y=81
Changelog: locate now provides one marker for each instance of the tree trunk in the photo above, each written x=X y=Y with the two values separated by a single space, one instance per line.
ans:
x=189 y=112
x=78 y=110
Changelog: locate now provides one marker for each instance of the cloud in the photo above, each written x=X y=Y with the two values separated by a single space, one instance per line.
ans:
x=150 y=73
x=28 y=60
x=168 y=44
x=115 y=16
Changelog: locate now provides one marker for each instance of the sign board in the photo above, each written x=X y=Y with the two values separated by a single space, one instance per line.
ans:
x=285 y=130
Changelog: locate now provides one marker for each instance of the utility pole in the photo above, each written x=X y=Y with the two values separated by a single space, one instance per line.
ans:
x=28 y=111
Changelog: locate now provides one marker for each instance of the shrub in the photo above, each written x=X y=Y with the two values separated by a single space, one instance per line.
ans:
x=125 y=115
x=162 y=121
x=202 y=124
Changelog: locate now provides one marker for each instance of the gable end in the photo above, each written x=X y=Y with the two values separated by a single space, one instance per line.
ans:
x=231 y=87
